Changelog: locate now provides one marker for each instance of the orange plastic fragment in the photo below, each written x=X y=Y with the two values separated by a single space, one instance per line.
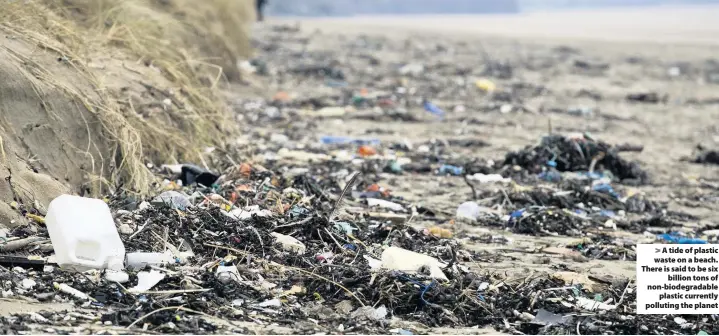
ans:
x=366 y=151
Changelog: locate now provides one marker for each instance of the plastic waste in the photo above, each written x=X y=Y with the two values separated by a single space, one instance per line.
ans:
x=370 y=313
x=174 y=199
x=190 y=174
x=468 y=211
x=591 y=305
x=138 y=260
x=450 y=170
x=270 y=303
x=71 y=291
x=289 y=244
x=384 y=204
x=147 y=280
x=341 y=140
x=675 y=238
x=485 y=85
x=488 y=178
x=434 y=109
x=83 y=234
x=399 y=259
x=225 y=274
x=117 y=276
x=366 y=151
x=247 y=212
x=606 y=188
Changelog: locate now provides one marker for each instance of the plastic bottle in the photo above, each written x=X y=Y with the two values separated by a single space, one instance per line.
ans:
x=83 y=233
x=138 y=260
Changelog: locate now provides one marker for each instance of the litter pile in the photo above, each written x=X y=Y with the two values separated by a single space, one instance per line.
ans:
x=196 y=260
x=579 y=153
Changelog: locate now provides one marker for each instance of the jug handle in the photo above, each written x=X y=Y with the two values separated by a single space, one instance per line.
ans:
x=97 y=263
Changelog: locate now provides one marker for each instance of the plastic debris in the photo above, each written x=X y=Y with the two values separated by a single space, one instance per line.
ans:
x=488 y=178
x=174 y=199
x=289 y=244
x=147 y=280
x=190 y=174
x=676 y=239
x=398 y=259
x=433 y=109
x=374 y=202
x=450 y=170
x=83 y=233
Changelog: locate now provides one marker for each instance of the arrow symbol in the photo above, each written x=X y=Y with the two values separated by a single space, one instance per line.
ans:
x=656 y=250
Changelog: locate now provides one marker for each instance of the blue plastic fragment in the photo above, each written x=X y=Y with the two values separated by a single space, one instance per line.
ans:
x=431 y=108
x=517 y=214
x=552 y=163
x=606 y=188
x=341 y=140
x=451 y=170
x=674 y=238
x=350 y=247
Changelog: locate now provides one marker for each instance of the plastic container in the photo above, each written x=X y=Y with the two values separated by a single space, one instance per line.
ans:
x=138 y=260
x=83 y=234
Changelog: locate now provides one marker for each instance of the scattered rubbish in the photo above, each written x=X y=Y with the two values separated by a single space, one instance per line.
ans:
x=139 y=260
x=374 y=202
x=591 y=305
x=71 y=291
x=147 y=280
x=706 y=156
x=485 y=85
x=289 y=244
x=433 y=109
x=173 y=199
x=676 y=239
x=226 y=274
x=547 y=318
x=398 y=259
x=190 y=174
x=450 y=170
x=270 y=303
x=370 y=313
x=340 y=140
x=83 y=234
x=578 y=153
x=488 y=178
x=647 y=97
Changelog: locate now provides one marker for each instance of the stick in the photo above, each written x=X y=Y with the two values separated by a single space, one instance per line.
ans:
x=342 y=195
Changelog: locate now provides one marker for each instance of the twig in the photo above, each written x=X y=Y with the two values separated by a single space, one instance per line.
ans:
x=147 y=222
x=474 y=191
x=333 y=238
x=621 y=298
x=342 y=195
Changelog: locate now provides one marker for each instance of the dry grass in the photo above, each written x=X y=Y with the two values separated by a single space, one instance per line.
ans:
x=195 y=45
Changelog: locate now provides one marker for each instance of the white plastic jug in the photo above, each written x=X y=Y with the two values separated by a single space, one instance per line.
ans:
x=83 y=234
